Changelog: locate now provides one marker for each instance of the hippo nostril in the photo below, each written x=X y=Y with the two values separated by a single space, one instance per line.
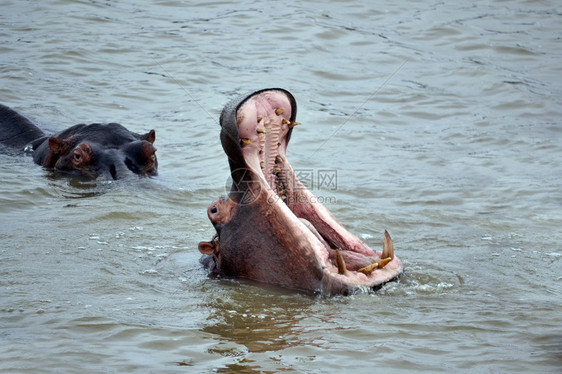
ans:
x=113 y=171
x=214 y=210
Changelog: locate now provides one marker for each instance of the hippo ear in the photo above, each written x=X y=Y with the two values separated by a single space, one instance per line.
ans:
x=207 y=248
x=147 y=153
x=149 y=136
x=58 y=146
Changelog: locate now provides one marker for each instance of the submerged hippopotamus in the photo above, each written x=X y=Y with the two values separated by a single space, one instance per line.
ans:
x=107 y=151
x=271 y=228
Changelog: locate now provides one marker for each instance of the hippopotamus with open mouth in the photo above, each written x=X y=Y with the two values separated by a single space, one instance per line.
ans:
x=105 y=151
x=271 y=228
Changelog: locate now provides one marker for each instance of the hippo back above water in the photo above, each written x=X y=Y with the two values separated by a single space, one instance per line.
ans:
x=106 y=151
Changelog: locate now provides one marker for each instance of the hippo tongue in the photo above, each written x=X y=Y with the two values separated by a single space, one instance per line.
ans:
x=255 y=133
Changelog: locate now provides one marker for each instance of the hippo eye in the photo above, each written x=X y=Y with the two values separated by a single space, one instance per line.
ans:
x=214 y=210
x=77 y=156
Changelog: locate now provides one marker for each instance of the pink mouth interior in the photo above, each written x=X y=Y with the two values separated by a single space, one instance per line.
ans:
x=264 y=122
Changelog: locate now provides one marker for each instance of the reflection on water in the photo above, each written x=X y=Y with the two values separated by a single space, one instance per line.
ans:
x=442 y=121
x=268 y=321
x=75 y=187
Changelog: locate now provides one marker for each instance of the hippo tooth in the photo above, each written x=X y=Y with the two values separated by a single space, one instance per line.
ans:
x=260 y=118
x=387 y=246
x=384 y=261
x=276 y=170
x=342 y=269
x=245 y=141
x=278 y=159
x=262 y=165
x=293 y=124
x=375 y=265
x=260 y=130
x=285 y=122
x=369 y=268
x=279 y=111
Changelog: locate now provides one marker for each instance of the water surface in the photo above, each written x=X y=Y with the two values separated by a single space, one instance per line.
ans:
x=441 y=122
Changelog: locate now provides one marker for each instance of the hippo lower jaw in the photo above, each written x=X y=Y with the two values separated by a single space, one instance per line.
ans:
x=271 y=228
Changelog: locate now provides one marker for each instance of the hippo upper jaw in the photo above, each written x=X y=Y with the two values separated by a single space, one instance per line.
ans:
x=271 y=228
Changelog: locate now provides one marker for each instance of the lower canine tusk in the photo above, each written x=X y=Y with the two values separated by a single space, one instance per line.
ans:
x=376 y=265
x=387 y=246
x=369 y=268
x=384 y=261
x=342 y=269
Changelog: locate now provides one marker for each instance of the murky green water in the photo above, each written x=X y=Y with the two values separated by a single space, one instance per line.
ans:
x=442 y=122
